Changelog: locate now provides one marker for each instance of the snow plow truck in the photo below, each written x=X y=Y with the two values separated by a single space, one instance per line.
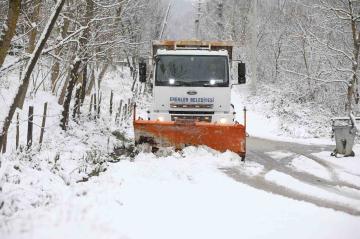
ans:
x=191 y=89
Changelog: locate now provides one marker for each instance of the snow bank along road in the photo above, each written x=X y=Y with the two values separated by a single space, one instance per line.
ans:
x=188 y=195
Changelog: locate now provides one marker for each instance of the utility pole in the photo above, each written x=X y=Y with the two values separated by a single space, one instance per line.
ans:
x=220 y=19
x=165 y=20
x=253 y=45
x=197 y=20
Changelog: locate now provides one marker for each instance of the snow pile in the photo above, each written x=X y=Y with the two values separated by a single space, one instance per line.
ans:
x=64 y=159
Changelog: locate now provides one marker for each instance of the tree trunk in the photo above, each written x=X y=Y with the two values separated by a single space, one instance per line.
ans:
x=84 y=38
x=76 y=109
x=73 y=79
x=92 y=82
x=102 y=74
x=30 y=66
x=63 y=91
x=9 y=28
x=32 y=39
x=84 y=83
x=55 y=69
x=353 y=87
x=83 y=42
x=34 y=21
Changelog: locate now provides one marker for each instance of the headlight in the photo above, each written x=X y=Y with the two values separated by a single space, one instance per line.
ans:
x=223 y=121
x=171 y=81
x=161 y=119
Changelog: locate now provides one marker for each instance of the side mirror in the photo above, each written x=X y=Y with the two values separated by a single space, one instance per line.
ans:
x=241 y=73
x=142 y=72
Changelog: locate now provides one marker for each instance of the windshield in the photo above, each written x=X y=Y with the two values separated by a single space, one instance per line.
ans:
x=211 y=71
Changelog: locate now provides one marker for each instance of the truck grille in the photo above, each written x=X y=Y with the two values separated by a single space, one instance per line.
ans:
x=198 y=118
x=192 y=106
x=191 y=112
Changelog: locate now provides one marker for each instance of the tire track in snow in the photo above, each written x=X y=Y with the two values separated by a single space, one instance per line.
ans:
x=257 y=149
x=259 y=182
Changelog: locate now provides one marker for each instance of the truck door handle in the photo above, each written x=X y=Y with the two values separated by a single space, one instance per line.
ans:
x=191 y=92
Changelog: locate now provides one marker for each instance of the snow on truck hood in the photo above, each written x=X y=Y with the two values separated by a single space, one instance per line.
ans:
x=193 y=52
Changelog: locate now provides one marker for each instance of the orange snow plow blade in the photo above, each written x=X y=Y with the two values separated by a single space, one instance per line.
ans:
x=220 y=137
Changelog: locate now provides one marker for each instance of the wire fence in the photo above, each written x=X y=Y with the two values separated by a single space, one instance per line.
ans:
x=118 y=113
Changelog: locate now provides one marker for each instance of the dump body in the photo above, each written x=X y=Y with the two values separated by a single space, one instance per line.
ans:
x=212 y=46
x=191 y=98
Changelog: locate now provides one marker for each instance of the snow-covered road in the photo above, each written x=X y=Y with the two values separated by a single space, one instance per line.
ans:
x=188 y=195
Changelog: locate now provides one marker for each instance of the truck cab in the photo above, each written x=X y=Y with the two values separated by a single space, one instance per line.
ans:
x=192 y=82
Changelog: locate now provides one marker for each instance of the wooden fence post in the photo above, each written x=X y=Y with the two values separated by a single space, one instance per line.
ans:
x=5 y=142
x=129 y=107
x=133 y=83
x=99 y=104
x=120 y=109
x=17 y=130
x=30 y=126
x=136 y=90
x=43 y=124
x=91 y=102
x=125 y=111
x=111 y=102
x=132 y=104
x=95 y=103
x=116 y=117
